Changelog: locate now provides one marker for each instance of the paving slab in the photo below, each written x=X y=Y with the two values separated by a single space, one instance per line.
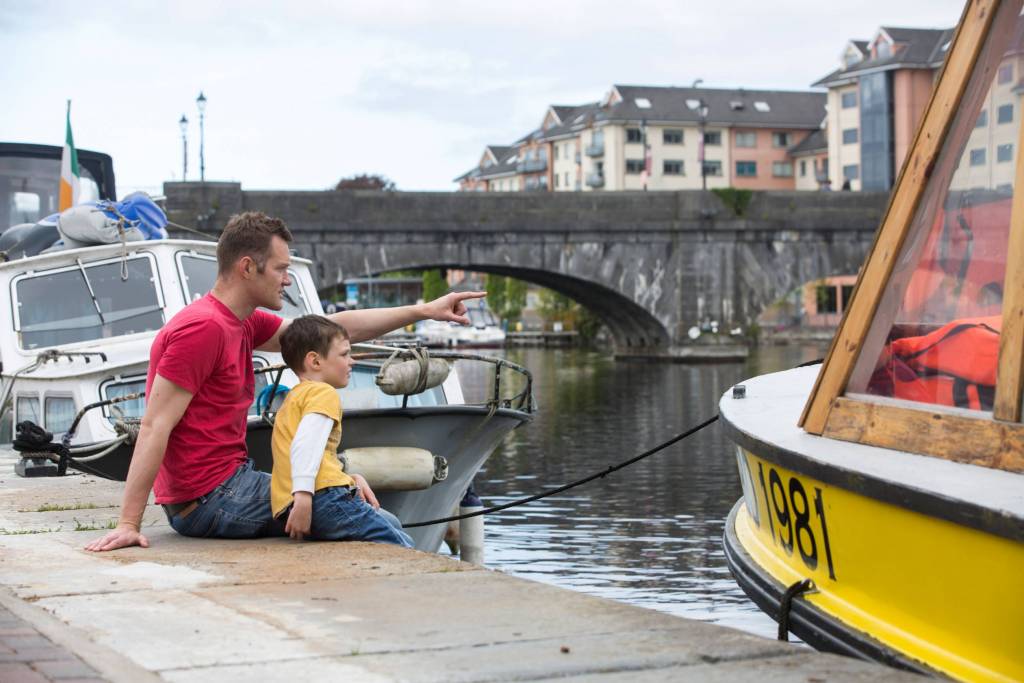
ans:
x=278 y=610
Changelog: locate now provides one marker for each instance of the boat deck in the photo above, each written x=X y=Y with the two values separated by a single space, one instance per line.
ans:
x=188 y=609
x=983 y=498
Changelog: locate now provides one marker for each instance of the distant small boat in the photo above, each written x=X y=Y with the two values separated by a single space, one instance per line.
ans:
x=484 y=331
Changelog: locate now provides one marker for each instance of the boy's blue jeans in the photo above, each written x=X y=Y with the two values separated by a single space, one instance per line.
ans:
x=240 y=508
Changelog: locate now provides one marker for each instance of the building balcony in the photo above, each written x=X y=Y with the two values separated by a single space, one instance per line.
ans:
x=532 y=166
x=595 y=149
x=595 y=180
x=541 y=186
x=578 y=157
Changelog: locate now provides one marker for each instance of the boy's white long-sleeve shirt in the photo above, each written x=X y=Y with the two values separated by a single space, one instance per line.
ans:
x=307 y=450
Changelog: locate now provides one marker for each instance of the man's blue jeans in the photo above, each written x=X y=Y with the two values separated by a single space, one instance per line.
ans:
x=240 y=508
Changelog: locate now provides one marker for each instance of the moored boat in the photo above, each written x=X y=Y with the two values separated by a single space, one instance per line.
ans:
x=75 y=335
x=883 y=493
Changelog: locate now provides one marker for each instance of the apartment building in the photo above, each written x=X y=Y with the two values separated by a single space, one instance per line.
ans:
x=810 y=162
x=494 y=172
x=876 y=99
x=654 y=138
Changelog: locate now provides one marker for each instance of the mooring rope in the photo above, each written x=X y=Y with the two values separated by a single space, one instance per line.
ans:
x=579 y=482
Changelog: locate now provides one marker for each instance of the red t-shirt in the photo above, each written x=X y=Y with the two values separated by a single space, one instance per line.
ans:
x=206 y=350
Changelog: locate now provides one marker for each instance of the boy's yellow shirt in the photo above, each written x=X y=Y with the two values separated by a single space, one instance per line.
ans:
x=306 y=397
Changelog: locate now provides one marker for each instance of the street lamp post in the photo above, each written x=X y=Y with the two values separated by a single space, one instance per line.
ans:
x=183 y=124
x=201 y=105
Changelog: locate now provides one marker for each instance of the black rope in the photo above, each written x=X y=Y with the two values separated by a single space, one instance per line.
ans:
x=597 y=475
x=786 y=605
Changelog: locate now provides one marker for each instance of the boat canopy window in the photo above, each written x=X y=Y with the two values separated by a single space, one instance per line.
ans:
x=59 y=413
x=88 y=301
x=362 y=392
x=936 y=333
x=198 y=273
x=29 y=189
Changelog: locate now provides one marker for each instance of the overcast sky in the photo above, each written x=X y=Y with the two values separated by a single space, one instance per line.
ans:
x=304 y=93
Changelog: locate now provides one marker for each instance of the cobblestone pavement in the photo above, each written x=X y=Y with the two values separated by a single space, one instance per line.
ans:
x=26 y=656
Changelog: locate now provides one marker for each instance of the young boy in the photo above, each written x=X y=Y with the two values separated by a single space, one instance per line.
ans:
x=322 y=501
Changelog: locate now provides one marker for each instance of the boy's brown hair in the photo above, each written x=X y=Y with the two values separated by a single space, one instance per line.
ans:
x=309 y=333
x=249 y=234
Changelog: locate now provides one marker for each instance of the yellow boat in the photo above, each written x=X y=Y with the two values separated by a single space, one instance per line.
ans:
x=883 y=492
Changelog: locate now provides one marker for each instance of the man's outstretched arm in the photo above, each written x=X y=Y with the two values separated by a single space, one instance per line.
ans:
x=165 y=404
x=370 y=323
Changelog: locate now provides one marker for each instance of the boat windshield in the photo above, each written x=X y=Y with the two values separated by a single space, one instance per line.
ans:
x=91 y=301
x=362 y=392
x=482 y=317
x=29 y=189
x=198 y=273
x=935 y=337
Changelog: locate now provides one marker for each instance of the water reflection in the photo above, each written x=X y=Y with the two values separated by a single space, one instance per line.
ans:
x=650 y=534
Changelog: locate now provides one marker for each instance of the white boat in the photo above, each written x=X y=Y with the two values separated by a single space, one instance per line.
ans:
x=484 y=331
x=75 y=334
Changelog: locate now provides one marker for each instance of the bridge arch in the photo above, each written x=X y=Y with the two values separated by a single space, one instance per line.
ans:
x=630 y=325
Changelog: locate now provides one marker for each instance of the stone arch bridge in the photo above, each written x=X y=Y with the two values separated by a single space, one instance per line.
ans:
x=650 y=265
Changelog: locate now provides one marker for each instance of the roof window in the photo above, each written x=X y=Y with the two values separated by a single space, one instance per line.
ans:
x=736 y=105
x=643 y=103
x=762 y=106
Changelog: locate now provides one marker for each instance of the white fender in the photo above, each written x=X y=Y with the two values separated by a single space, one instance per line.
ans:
x=395 y=468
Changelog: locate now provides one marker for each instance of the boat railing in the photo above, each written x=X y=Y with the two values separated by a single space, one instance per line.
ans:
x=521 y=400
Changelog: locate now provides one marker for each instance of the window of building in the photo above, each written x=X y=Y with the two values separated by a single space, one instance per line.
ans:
x=746 y=169
x=827 y=297
x=782 y=169
x=634 y=166
x=978 y=157
x=672 y=136
x=1005 y=73
x=558 y=180
x=672 y=167
x=713 y=137
x=748 y=139
x=803 y=168
x=849 y=99
x=782 y=139
x=1004 y=114
x=982 y=119
x=556 y=152
x=851 y=172
x=849 y=136
x=713 y=168
x=1004 y=153
x=634 y=135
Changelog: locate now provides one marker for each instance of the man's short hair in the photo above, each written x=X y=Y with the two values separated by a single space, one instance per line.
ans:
x=249 y=234
x=309 y=333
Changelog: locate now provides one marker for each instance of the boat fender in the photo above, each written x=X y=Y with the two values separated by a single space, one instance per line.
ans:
x=398 y=379
x=395 y=468
x=87 y=224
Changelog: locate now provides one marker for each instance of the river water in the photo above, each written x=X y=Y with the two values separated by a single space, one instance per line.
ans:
x=650 y=534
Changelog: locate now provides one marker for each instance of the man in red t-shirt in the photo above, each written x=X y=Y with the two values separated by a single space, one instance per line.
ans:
x=191 y=446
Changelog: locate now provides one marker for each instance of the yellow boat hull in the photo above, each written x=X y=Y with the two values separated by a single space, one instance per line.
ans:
x=890 y=583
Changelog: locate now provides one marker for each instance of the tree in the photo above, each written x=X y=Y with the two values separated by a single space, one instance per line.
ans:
x=515 y=298
x=497 y=300
x=366 y=181
x=434 y=285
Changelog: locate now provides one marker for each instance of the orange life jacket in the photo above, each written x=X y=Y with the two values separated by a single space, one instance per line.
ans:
x=954 y=365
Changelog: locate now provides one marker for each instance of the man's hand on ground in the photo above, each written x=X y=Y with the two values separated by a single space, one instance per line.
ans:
x=124 y=536
x=451 y=307
x=301 y=516
x=364 y=491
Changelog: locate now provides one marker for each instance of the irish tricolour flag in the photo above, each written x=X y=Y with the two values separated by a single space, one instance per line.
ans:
x=69 y=173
